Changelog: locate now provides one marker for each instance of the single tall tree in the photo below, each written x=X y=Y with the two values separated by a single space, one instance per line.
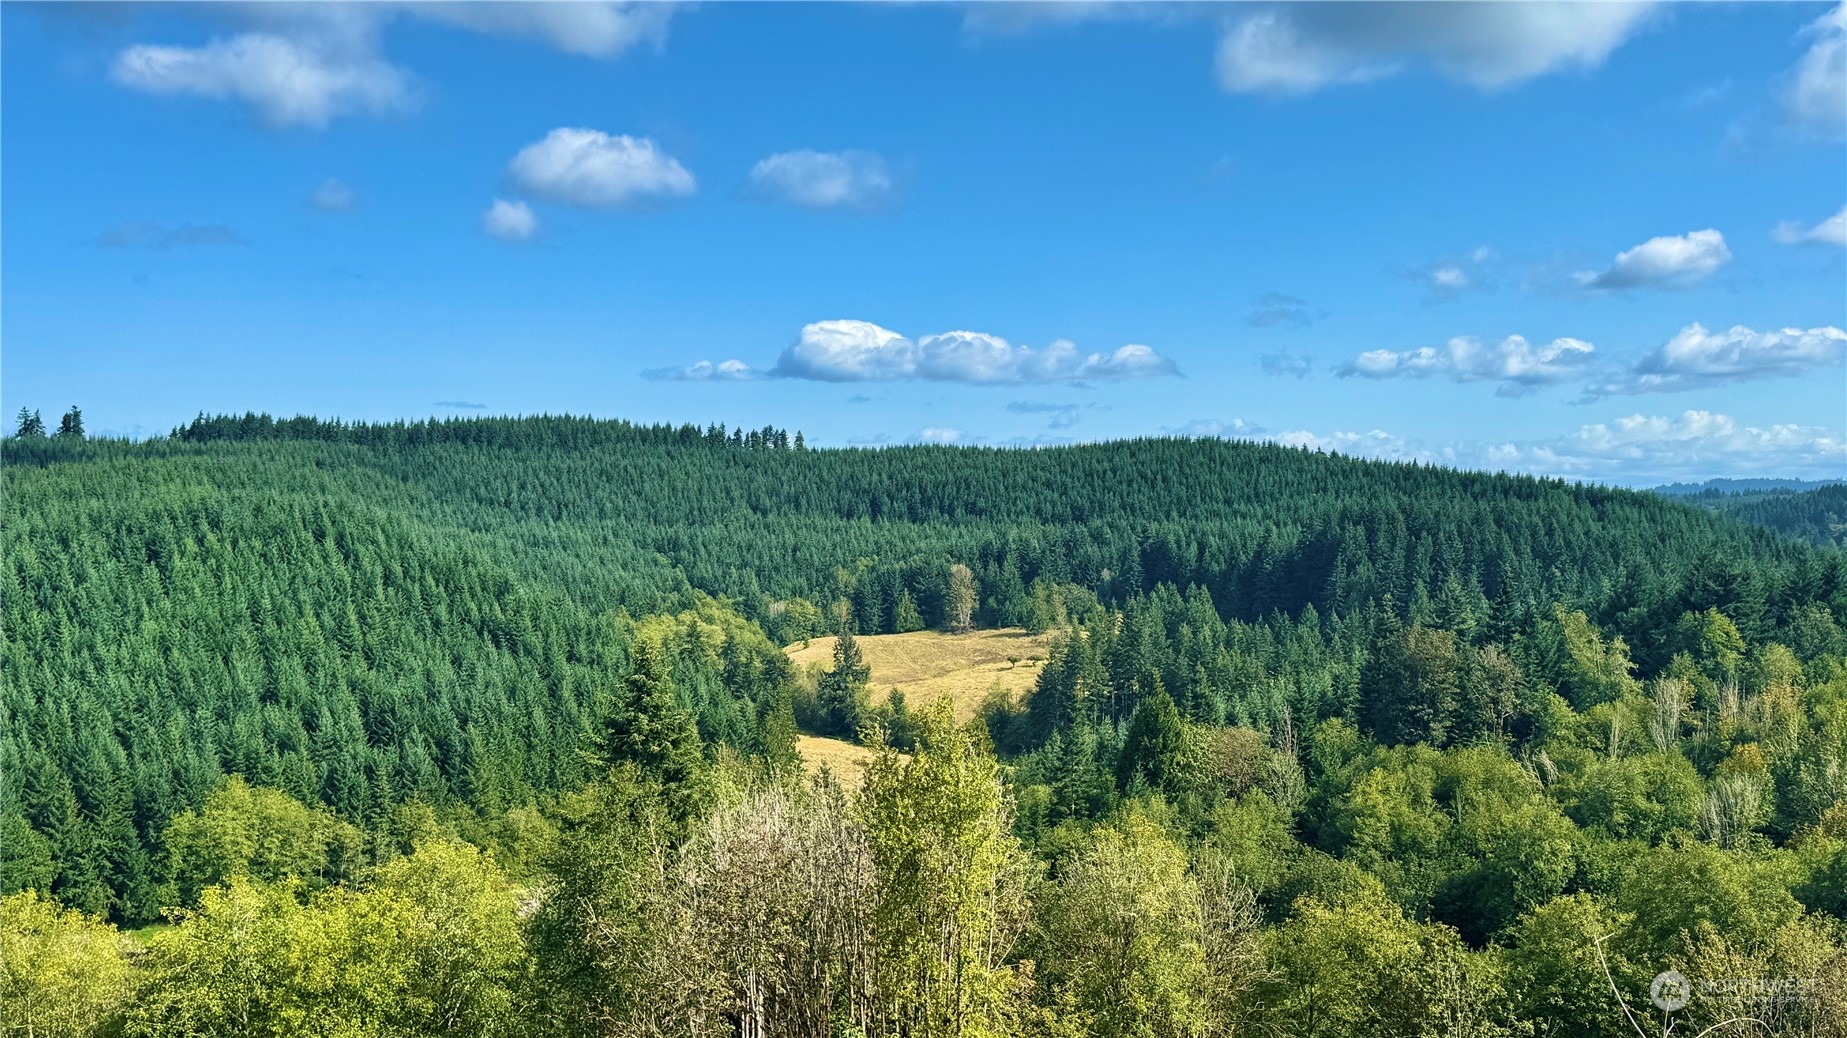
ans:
x=71 y=424
x=962 y=598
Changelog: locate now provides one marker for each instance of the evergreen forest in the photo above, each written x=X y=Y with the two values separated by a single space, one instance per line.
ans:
x=485 y=727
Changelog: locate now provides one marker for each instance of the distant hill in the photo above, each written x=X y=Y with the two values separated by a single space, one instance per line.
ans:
x=1742 y=486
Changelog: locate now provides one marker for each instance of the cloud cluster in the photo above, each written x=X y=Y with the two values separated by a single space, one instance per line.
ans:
x=146 y=234
x=1673 y=261
x=1297 y=49
x=1455 y=277
x=591 y=169
x=1696 y=358
x=1832 y=231
x=860 y=351
x=1817 y=95
x=308 y=64
x=1637 y=449
x=821 y=179
x=1518 y=365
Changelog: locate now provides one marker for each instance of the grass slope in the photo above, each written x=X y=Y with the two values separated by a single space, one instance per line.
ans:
x=927 y=665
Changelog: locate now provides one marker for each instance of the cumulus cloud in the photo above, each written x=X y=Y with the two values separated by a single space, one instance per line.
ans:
x=1832 y=231
x=1274 y=308
x=1297 y=49
x=591 y=169
x=1696 y=358
x=289 y=82
x=306 y=64
x=821 y=179
x=859 y=351
x=510 y=221
x=1286 y=365
x=1518 y=365
x=333 y=196
x=1817 y=95
x=705 y=371
x=1671 y=261
x=1458 y=275
x=146 y=234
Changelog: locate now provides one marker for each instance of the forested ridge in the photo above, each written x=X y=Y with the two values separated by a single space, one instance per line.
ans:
x=1323 y=745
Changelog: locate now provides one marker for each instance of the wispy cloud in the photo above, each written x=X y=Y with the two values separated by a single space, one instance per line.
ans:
x=1816 y=99
x=1286 y=365
x=309 y=64
x=146 y=234
x=705 y=371
x=1274 y=308
x=1058 y=416
x=1832 y=231
x=332 y=196
x=510 y=221
x=461 y=405
x=858 y=180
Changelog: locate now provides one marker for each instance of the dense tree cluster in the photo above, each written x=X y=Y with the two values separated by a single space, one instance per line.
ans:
x=483 y=727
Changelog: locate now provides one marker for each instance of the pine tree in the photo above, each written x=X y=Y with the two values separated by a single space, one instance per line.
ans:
x=1155 y=749
x=647 y=728
x=841 y=693
x=30 y=424
x=71 y=425
x=908 y=618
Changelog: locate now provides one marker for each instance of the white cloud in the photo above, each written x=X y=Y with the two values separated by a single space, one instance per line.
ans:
x=510 y=221
x=822 y=179
x=598 y=30
x=594 y=170
x=939 y=435
x=1670 y=261
x=1297 y=49
x=1637 y=449
x=305 y=64
x=1695 y=358
x=1817 y=95
x=1449 y=279
x=1519 y=366
x=860 y=351
x=705 y=371
x=288 y=82
x=855 y=351
x=1832 y=231
x=333 y=196
x=1200 y=428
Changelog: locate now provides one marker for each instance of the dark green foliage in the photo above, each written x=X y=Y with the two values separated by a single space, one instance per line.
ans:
x=646 y=728
x=1154 y=752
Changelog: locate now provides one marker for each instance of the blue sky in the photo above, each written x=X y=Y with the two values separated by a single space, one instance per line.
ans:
x=1599 y=241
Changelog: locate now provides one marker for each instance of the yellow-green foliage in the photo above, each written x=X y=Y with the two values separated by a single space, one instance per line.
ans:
x=62 y=973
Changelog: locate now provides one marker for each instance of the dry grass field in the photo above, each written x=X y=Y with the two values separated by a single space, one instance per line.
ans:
x=927 y=665
x=847 y=761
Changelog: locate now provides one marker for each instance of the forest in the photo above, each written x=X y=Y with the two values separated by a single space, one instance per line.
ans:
x=486 y=726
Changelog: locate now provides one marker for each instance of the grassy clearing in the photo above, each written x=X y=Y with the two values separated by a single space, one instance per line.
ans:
x=927 y=665
x=847 y=761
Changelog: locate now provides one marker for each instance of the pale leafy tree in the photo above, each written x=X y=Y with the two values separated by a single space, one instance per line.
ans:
x=950 y=880
x=963 y=596
x=61 y=972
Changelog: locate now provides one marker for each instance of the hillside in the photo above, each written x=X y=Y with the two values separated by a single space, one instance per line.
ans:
x=363 y=615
